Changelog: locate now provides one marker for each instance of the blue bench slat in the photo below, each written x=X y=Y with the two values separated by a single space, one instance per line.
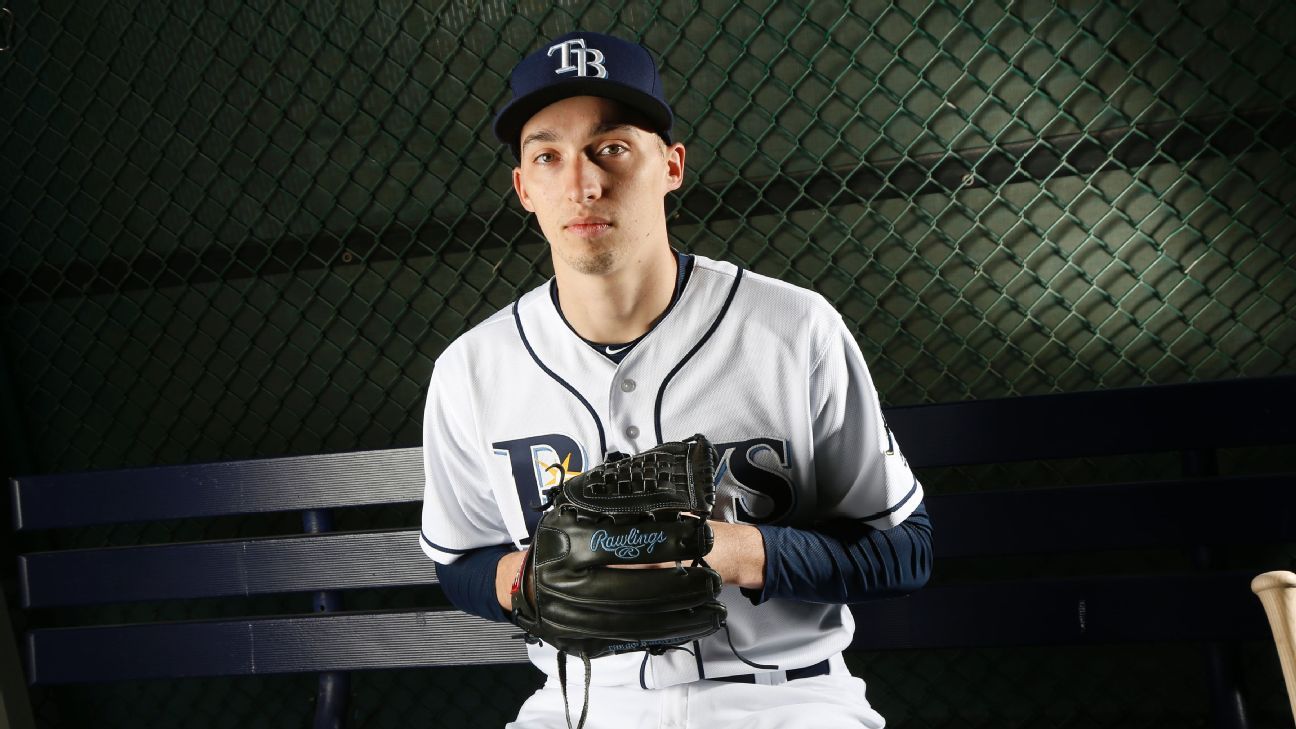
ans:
x=1115 y=610
x=1245 y=412
x=217 y=489
x=341 y=641
x=1230 y=510
x=1056 y=519
x=1098 y=610
x=335 y=561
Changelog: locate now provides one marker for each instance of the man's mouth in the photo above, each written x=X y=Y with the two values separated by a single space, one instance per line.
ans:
x=588 y=227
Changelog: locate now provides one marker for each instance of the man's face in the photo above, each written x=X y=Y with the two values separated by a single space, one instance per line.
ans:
x=597 y=183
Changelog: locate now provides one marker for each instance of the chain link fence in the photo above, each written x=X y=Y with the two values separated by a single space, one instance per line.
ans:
x=236 y=229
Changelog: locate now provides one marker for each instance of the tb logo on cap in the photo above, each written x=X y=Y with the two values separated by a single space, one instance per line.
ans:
x=576 y=57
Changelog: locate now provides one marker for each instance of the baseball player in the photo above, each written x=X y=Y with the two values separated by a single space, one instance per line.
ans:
x=632 y=344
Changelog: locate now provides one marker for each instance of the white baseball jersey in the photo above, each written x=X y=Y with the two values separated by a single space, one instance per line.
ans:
x=767 y=371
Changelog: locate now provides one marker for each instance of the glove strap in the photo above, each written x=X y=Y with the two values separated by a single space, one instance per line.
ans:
x=518 y=578
x=562 y=684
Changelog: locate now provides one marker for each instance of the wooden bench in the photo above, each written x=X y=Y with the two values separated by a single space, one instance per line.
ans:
x=1192 y=510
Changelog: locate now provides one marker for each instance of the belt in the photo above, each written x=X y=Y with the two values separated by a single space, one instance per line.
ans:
x=818 y=669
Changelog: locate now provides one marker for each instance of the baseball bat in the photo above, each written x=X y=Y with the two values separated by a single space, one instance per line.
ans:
x=1277 y=592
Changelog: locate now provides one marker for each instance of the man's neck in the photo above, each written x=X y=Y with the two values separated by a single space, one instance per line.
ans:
x=619 y=306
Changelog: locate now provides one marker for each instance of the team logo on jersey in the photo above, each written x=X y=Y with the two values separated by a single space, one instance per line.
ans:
x=628 y=545
x=754 y=476
x=575 y=57
x=538 y=463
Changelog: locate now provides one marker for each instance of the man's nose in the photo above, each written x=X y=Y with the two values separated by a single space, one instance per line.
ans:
x=584 y=180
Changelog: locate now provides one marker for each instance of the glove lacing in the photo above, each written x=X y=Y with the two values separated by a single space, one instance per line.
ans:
x=562 y=683
x=643 y=666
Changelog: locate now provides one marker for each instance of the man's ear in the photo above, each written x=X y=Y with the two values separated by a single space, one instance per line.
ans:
x=520 y=189
x=674 y=166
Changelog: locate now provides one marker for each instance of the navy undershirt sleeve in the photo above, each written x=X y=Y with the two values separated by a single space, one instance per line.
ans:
x=469 y=583
x=845 y=561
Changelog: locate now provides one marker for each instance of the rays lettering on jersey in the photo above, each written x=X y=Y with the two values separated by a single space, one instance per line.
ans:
x=535 y=463
x=763 y=494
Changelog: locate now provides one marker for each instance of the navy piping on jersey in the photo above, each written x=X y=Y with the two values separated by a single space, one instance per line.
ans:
x=517 y=318
x=898 y=504
x=661 y=392
x=623 y=350
x=440 y=548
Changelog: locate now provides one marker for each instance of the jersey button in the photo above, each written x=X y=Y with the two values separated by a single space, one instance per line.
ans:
x=632 y=432
x=628 y=385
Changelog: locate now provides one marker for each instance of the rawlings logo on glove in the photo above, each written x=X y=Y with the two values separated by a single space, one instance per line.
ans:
x=627 y=546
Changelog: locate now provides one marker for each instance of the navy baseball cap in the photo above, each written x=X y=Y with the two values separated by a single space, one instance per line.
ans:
x=584 y=64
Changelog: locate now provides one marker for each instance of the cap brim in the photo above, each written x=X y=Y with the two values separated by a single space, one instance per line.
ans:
x=511 y=119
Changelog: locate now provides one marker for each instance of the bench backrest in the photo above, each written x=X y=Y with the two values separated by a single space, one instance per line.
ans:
x=1178 y=511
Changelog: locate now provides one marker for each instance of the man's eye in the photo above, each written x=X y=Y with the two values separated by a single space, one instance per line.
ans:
x=544 y=158
x=613 y=149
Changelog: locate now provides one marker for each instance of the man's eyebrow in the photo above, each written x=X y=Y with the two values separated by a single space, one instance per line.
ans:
x=544 y=135
x=609 y=126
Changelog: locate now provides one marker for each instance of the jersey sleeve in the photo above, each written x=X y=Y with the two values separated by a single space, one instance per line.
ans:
x=860 y=470
x=459 y=509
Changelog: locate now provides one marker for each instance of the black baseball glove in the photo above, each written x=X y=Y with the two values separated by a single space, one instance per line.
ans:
x=642 y=509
